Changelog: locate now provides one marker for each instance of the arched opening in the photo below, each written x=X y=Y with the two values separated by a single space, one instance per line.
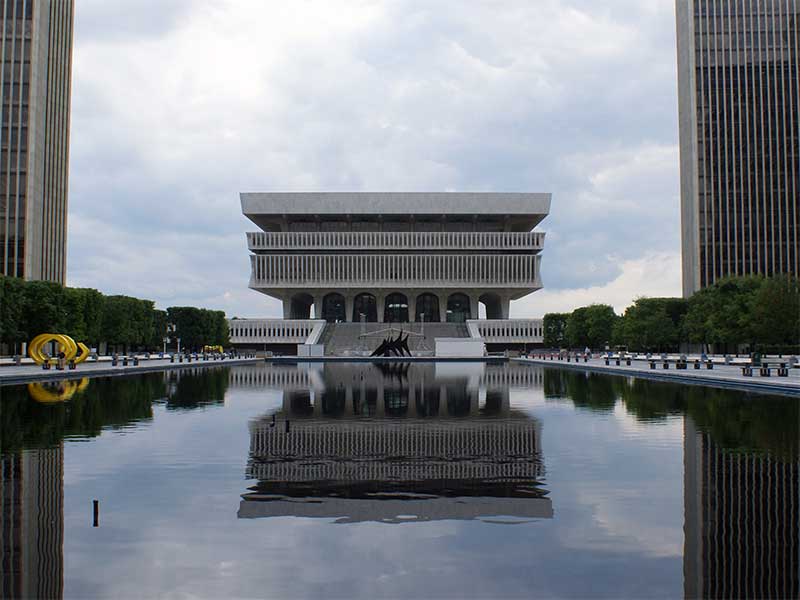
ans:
x=365 y=304
x=427 y=308
x=458 y=308
x=301 y=306
x=333 y=308
x=395 y=309
x=493 y=304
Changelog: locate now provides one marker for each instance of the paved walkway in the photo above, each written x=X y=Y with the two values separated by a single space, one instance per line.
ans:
x=720 y=376
x=27 y=373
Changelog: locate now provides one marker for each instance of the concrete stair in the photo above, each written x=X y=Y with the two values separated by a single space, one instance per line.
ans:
x=344 y=339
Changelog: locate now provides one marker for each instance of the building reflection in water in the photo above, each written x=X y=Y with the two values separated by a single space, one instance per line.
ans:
x=396 y=443
x=742 y=521
x=32 y=524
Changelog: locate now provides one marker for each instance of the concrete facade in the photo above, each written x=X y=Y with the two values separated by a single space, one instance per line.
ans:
x=395 y=257
x=738 y=79
x=34 y=136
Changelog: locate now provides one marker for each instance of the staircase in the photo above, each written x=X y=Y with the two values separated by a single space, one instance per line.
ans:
x=344 y=339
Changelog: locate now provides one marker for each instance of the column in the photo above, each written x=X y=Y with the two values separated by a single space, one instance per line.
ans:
x=348 y=308
x=318 y=306
x=380 y=299
x=505 y=306
x=412 y=306
x=443 y=308
x=287 y=307
x=474 y=299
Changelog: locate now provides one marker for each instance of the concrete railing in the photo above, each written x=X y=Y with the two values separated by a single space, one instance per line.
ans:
x=275 y=331
x=508 y=331
x=398 y=240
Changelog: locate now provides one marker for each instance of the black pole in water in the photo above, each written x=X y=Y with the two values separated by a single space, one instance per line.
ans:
x=96 y=507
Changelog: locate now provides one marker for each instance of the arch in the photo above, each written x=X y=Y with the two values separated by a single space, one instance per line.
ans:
x=300 y=306
x=395 y=309
x=367 y=305
x=333 y=308
x=458 y=309
x=493 y=304
x=428 y=305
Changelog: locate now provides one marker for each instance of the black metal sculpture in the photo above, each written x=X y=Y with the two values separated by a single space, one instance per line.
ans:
x=393 y=347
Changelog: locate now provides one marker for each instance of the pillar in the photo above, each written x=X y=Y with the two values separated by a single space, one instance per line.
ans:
x=287 y=307
x=349 y=300
x=505 y=307
x=380 y=300
x=412 y=306
x=318 y=306
x=443 y=308
x=474 y=299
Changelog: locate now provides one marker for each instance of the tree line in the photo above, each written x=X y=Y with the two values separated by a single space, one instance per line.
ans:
x=28 y=308
x=761 y=313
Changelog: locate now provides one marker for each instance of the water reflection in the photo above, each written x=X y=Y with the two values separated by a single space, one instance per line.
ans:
x=397 y=443
x=405 y=443
x=32 y=524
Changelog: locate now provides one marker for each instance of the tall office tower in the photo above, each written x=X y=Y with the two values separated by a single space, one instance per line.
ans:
x=34 y=164
x=739 y=134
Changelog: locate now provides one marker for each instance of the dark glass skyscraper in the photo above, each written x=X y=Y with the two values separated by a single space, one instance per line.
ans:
x=739 y=134
x=34 y=139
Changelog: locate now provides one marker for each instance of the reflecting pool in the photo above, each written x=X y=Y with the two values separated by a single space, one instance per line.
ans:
x=397 y=480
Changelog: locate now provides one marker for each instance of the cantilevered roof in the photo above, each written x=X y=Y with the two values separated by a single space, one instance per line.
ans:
x=265 y=208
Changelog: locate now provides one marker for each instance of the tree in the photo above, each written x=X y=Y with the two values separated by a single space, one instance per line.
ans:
x=576 y=330
x=652 y=324
x=44 y=308
x=775 y=320
x=12 y=310
x=554 y=326
x=600 y=320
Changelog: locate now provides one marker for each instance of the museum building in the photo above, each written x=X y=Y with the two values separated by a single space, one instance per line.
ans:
x=395 y=257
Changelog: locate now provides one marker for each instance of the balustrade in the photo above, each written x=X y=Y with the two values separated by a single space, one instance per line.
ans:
x=385 y=240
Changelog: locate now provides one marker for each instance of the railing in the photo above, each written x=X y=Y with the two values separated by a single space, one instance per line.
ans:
x=275 y=331
x=386 y=270
x=508 y=331
x=394 y=240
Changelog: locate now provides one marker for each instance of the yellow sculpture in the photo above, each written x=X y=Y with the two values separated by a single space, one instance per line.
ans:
x=65 y=344
x=218 y=349
x=59 y=392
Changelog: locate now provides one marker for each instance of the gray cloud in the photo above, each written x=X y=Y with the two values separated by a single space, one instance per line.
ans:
x=169 y=124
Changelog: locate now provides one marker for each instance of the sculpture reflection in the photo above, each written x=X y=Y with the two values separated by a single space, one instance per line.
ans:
x=396 y=443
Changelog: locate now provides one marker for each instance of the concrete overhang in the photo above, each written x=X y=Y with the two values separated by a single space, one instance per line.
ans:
x=523 y=210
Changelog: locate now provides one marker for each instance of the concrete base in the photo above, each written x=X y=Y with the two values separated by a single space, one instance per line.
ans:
x=460 y=347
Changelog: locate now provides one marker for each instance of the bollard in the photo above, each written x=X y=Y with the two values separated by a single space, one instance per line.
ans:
x=180 y=358
x=114 y=361
x=666 y=365
x=710 y=365
x=606 y=361
x=696 y=365
x=783 y=370
x=747 y=371
x=617 y=362
x=652 y=364
x=135 y=361
x=585 y=358
x=765 y=370
x=17 y=359
x=172 y=358
x=124 y=361
x=72 y=364
x=95 y=513
x=628 y=362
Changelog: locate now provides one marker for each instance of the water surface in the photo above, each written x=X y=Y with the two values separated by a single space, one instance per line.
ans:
x=432 y=480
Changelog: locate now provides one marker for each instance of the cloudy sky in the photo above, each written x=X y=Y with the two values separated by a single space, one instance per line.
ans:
x=178 y=105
